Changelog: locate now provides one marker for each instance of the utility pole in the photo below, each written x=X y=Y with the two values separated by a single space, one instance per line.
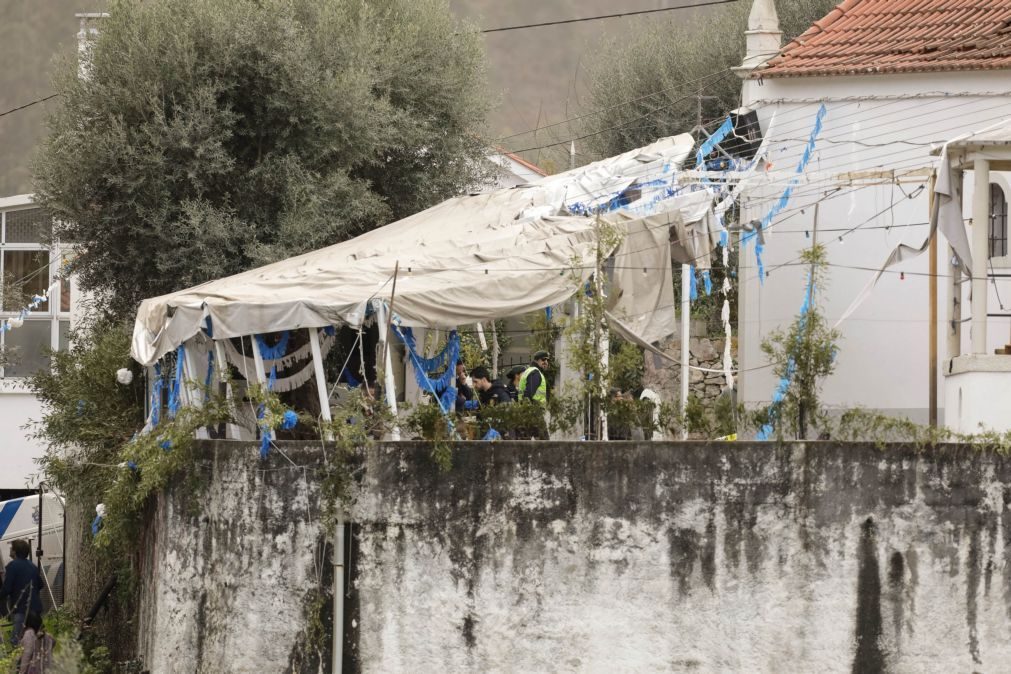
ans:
x=801 y=412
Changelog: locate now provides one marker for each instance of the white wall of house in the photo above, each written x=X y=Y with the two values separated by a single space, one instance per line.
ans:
x=875 y=124
x=29 y=260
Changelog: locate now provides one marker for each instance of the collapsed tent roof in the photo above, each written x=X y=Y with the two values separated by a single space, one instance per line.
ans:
x=466 y=260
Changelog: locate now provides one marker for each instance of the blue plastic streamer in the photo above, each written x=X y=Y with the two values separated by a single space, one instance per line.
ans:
x=449 y=352
x=276 y=351
x=710 y=144
x=707 y=282
x=264 y=444
x=156 y=387
x=175 y=388
x=289 y=421
x=446 y=397
x=492 y=434
x=765 y=432
x=784 y=199
x=693 y=293
x=96 y=525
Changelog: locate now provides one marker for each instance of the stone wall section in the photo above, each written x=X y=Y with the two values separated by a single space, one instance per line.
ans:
x=596 y=557
x=664 y=376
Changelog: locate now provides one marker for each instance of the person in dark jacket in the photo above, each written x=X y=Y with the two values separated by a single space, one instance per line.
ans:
x=513 y=379
x=464 y=393
x=22 y=590
x=489 y=392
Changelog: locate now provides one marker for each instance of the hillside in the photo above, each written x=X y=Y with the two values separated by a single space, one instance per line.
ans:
x=534 y=74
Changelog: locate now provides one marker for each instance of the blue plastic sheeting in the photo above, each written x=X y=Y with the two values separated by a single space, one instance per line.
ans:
x=784 y=198
x=274 y=352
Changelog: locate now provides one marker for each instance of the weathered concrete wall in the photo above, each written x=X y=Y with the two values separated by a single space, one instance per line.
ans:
x=603 y=557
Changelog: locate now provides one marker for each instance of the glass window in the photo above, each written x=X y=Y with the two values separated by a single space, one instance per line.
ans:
x=28 y=226
x=26 y=273
x=28 y=348
x=997 y=234
x=64 y=342
x=65 y=295
x=26 y=270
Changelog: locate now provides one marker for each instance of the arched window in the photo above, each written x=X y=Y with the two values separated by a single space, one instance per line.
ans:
x=997 y=234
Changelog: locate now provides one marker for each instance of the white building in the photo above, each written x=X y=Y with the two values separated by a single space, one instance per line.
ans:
x=896 y=77
x=29 y=265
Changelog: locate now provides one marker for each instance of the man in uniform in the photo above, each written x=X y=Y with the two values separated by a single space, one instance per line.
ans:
x=533 y=384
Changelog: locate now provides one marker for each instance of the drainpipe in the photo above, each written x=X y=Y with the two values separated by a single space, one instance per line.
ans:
x=338 y=597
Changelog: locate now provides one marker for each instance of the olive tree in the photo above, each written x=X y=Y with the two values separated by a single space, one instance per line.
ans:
x=209 y=136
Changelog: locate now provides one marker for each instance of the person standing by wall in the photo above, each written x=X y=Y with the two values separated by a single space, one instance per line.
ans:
x=21 y=589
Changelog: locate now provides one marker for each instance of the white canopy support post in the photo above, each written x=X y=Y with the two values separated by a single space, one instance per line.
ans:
x=150 y=402
x=321 y=389
x=686 y=309
x=338 y=596
x=480 y=337
x=494 y=350
x=980 y=251
x=389 y=385
x=191 y=373
x=261 y=375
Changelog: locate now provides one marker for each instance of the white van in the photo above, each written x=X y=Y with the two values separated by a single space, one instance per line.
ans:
x=19 y=518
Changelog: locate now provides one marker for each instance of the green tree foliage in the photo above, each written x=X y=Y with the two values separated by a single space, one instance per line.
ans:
x=804 y=354
x=647 y=88
x=214 y=135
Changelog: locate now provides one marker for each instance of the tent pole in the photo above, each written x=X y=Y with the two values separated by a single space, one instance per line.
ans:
x=686 y=308
x=494 y=350
x=261 y=376
x=321 y=389
x=338 y=596
x=191 y=374
x=389 y=385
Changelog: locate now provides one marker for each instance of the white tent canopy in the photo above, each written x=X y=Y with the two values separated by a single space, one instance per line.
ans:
x=467 y=260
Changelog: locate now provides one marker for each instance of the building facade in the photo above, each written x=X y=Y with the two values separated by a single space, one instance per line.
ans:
x=30 y=265
x=871 y=89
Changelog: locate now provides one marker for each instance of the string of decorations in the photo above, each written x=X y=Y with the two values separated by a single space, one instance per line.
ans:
x=17 y=321
x=443 y=387
x=784 y=198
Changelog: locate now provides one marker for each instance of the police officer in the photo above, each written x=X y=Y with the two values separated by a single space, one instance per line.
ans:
x=533 y=384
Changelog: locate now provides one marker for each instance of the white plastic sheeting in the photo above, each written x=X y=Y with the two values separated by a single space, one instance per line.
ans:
x=468 y=259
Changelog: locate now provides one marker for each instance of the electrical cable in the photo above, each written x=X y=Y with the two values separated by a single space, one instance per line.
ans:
x=605 y=16
x=28 y=105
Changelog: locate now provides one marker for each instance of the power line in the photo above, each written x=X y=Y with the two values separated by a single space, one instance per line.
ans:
x=28 y=105
x=612 y=107
x=605 y=16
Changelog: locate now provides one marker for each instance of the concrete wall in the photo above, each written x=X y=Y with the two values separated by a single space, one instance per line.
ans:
x=870 y=159
x=18 y=452
x=597 y=557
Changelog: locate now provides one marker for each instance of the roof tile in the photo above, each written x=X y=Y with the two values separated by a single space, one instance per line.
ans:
x=896 y=36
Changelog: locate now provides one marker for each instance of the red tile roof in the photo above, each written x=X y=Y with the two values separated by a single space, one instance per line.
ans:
x=900 y=36
x=520 y=160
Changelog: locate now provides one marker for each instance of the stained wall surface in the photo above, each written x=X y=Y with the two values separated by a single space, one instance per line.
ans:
x=598 y=557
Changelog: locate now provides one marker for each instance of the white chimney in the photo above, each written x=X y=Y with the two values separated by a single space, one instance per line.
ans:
x=89 y=31
x=763 y=37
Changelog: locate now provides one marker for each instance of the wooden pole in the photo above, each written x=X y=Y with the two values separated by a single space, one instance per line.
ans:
x=932 y=298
